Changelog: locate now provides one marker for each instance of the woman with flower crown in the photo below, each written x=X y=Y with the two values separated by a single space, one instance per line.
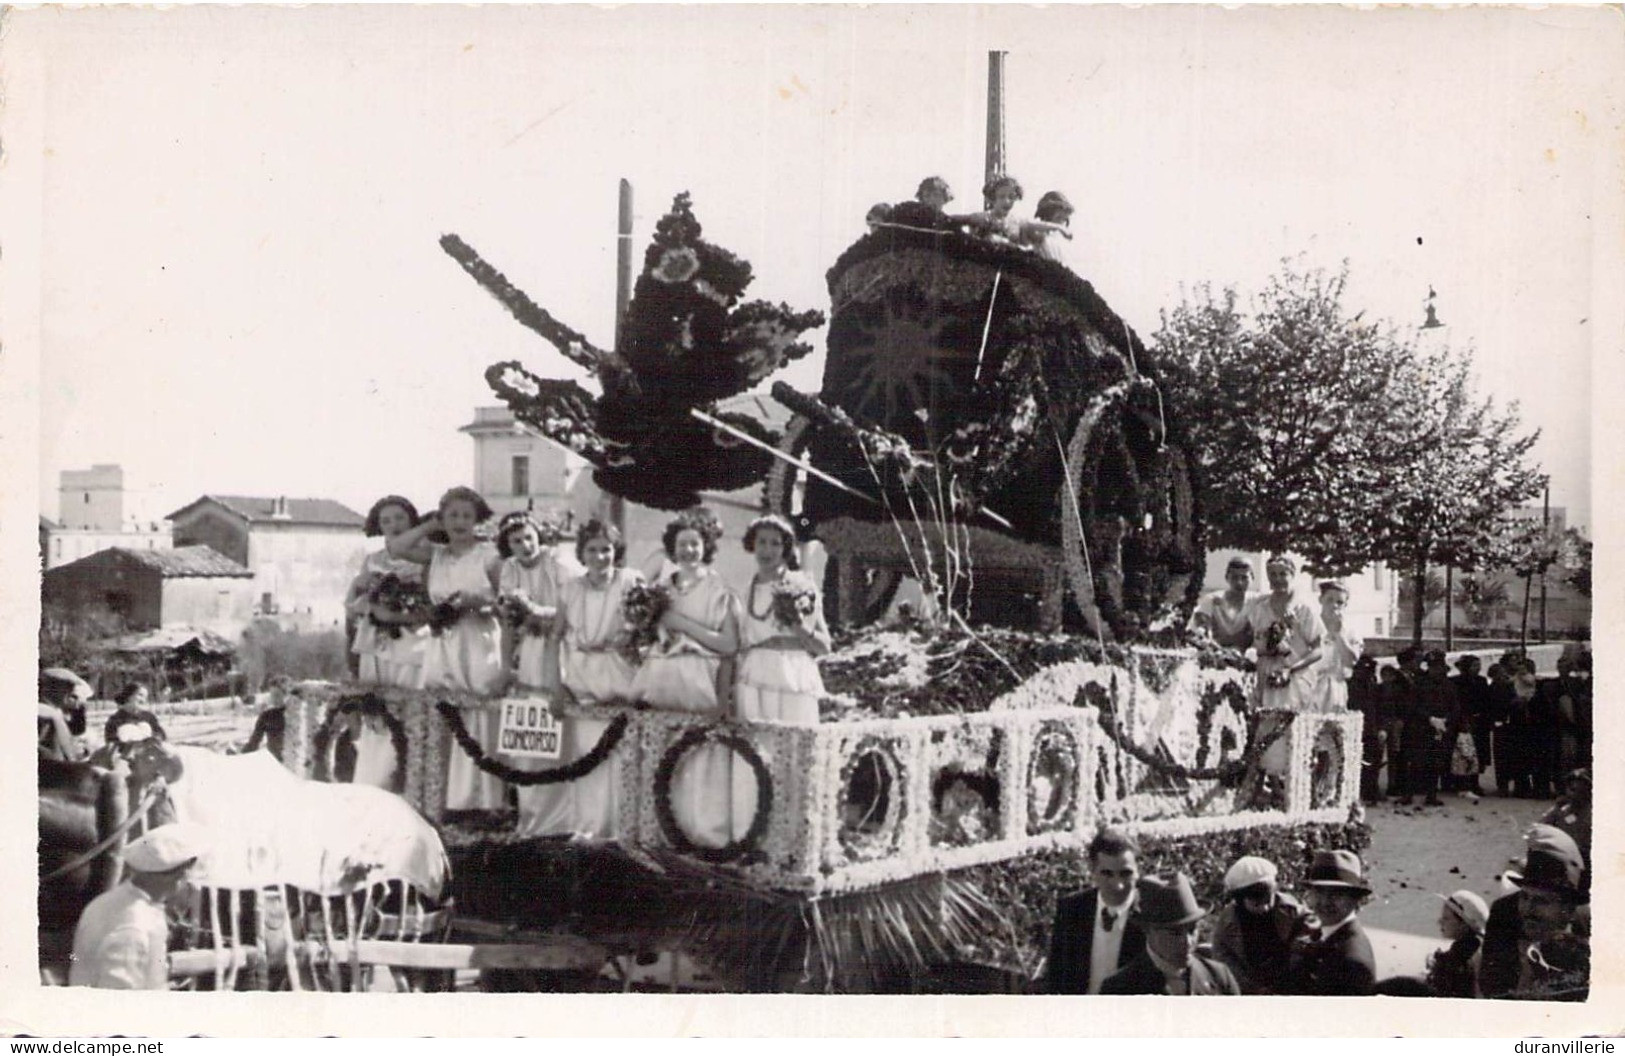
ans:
x=781 y=631
x=531 y=586
x=699 y=632
x=466 y=654
x=596 y=670
x=1287 y=633
x=388 y=646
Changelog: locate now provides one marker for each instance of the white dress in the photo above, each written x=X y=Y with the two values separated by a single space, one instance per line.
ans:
x=543 y=809
x=1304 y=635
x=1228 y=629
x=386 y=660
x=778 y=685
x=375 y=757
x=596 y=672
x=1339 y=651
x=680 y=674
x=467 y=657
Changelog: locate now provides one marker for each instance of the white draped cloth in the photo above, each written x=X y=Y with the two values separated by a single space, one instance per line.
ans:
x=267 y=826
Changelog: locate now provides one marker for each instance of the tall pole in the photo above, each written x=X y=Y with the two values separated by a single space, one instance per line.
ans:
x=1449 y=620
x=623 y=297
x=995 y=114
x=1546 y=523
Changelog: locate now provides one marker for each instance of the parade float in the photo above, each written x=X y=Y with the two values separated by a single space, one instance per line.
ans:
x=990 y=432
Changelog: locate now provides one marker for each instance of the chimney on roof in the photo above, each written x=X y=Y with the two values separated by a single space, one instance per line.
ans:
x=279 y=508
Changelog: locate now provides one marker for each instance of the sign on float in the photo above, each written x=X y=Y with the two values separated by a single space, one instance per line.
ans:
x=530 y=730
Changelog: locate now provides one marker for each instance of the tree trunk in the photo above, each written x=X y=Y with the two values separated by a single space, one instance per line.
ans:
x=1449 y=612
x=1419 y=601
x=1523 y=631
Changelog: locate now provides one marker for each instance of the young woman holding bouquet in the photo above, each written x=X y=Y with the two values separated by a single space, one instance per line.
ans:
x=1287 y=634
x=389 y=635
x=782 y=631
x=597 y=668
x=530 y=588
x=684 y=672
x=464 y=650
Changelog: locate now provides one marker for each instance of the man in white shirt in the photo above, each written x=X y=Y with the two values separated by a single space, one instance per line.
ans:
x=1095 y=933
x=122 y=940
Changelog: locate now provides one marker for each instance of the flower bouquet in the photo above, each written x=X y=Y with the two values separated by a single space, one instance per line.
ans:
x=1278 y=638
x=792 y=605
x=643 y=605
x=445 y=615
x=405 y=601
x=524 y=615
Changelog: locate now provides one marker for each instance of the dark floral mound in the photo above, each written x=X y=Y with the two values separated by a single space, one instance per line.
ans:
x=688 y=340
x=965 y=675
x=1028 y=887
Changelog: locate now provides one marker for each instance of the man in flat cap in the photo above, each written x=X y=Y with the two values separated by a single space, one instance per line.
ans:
x=1338 y=960
x=1168 y=912
x=1254 y=934
x=122 y=941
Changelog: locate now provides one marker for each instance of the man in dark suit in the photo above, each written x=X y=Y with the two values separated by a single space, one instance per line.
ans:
x=1095 y=933
x=1169 y=913
x=1336 y=961
x=1551 y=888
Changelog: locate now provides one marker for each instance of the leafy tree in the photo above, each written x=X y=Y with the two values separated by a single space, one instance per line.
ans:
x=1578 y=570
x=1482 y=597
x=1291 y=414
x=1445 y=503
x=1433 y=592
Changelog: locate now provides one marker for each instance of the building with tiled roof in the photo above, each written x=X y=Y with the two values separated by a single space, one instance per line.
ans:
x=192 y=586
x=303 y=552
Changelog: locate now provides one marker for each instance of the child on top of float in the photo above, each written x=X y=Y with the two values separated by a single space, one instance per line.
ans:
x=1340 y=648
x=531 y=586
x=781 y=631
x=597 y=669
x=685 y=671
x=1053 y=217
x=388 y=644
x=464 y=650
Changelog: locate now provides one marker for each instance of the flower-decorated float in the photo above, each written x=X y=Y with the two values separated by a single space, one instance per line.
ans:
x=989 y=430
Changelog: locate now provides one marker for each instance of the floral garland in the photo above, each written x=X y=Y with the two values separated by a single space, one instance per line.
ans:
x=408 y=600
x=1230 y=693
x=453 y=718
x=747 y=844
x=1225 y=772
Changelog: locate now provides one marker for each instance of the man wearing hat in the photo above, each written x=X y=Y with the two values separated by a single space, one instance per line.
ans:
x=1551 y=890
x=1169 y=913
x=1337 y=961
x=122 y=940
x=1095 y=934
x=1254 y=934
x=1453 y=971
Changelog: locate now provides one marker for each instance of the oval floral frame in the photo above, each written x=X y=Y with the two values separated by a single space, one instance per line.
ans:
x=741 y=746
x=1054 y=741
x=866 y=846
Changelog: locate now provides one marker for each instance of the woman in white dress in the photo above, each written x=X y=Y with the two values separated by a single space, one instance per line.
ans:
x=778 y=674
x=1287 y=634
x=467 y=656
x=532 y=581
x=385 y=657
x=592 y=624
x=684 y=672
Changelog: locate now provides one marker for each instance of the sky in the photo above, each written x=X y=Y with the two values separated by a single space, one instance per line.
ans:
x=240 y=289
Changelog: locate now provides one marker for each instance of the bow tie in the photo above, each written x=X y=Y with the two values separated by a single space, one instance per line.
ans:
x=1107 y=918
